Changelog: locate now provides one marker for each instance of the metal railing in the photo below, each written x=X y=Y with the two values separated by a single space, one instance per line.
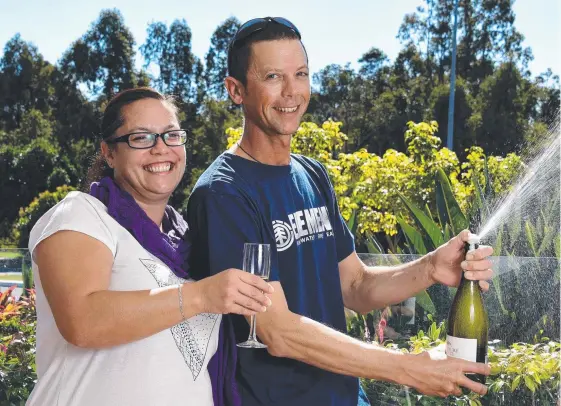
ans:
x=15 y=269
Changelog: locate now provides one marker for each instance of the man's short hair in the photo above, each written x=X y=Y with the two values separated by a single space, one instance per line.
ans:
x=263 y=29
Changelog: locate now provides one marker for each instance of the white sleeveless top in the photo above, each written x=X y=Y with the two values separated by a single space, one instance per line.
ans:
x=168 y=368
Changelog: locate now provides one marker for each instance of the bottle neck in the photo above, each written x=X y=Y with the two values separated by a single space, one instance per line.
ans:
x=464 y=280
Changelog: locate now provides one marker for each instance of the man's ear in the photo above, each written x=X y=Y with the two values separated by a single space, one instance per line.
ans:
x=235 y=89
x=107 y=154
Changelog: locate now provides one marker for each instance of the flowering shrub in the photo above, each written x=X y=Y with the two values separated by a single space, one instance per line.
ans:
x=17 y=347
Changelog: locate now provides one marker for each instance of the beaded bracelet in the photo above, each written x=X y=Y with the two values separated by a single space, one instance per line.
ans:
x=180 y=292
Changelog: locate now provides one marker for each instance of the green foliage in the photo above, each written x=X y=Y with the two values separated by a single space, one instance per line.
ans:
x=40 y=205
x=492 y=92
x=17 y=349
x=170 y=50
x=521 y=374
x=26 y=83
x=216 y=68
x=531 y=365
x=464 y=104
x=38 y=158
x=103 y=58
x=34 y=125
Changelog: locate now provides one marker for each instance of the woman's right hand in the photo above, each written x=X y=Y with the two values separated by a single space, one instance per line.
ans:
x=234 y=291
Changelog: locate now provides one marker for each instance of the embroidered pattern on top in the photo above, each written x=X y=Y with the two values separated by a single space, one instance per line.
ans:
x=193 y=335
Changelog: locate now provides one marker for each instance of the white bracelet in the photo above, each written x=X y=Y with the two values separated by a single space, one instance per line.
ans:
x=180 y=292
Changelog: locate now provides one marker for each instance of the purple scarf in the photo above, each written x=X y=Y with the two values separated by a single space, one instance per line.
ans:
x=172 y=247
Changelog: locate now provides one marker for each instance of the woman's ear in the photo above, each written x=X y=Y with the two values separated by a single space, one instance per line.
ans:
x=107 y=154
x=235 y=89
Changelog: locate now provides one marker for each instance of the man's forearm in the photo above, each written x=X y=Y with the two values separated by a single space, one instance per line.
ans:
x=379 y=287
x=308 y=341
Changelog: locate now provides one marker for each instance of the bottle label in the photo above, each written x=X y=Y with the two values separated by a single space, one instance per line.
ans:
x=464 y=348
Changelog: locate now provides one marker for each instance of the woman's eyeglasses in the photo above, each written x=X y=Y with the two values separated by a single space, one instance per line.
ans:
x=143 y=140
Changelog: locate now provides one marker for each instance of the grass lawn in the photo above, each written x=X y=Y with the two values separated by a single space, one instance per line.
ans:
x=10 y=277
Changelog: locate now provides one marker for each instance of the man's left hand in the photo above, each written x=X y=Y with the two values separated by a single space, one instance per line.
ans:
x=449 y=260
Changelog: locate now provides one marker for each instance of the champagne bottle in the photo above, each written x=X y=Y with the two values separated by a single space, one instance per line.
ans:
x=467 y=322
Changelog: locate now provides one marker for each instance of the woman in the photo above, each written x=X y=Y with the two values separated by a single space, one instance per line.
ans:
x=119 y=320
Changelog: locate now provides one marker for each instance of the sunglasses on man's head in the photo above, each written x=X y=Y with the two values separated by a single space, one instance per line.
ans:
x=258 y=24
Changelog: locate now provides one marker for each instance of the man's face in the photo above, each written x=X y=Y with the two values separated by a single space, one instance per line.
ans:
x=278 y=86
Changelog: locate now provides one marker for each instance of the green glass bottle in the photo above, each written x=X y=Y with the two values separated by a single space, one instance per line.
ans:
x=468 y=324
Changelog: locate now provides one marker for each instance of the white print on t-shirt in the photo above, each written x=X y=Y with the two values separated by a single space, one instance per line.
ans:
x=303 y=226
x=193 y=346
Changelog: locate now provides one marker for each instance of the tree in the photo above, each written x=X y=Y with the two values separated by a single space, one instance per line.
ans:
x=547 y=108
x=217 y=57
x=486 y=36
x=333 y=98
x=502 y=111
x=34 y=125
x=170 y=51
x=464 y=134
x=73 y=116
x=103 y=58
x=372 y=61
x=25 y=82
x=25 y=172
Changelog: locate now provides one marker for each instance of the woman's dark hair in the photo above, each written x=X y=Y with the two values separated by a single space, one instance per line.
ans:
x=113 y=119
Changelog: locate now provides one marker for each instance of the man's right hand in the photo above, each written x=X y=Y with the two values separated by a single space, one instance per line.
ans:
x=234 y=291
x=434 y=374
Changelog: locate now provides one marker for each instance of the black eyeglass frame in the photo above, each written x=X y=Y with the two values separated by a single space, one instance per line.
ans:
x=125 y=138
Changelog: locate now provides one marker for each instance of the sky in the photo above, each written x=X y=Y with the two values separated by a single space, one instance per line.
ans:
x=333 y=31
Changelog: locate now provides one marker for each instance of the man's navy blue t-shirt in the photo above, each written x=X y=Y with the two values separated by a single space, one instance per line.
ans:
x=294 y=209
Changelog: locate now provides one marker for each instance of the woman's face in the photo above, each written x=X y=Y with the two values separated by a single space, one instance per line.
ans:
x=150 y=174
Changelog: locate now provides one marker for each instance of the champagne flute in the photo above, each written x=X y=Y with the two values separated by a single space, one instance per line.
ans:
x=257 y=261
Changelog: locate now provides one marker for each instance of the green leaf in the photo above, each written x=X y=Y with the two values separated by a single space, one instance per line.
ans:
x=515 y=383
x=423 y=299
x=425 y=223
x=540 y=225
x=353 y=224
x=530 y=235
x=448 y=208
x=373 y=246
x=479 y=203
x=514 y=227
x=498 y=245
x=414 y=238
x=447 y=233
x=549 y=236
x=427 y=211
x=529 y=383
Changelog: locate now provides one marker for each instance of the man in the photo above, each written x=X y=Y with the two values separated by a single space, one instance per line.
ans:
x=259 y=192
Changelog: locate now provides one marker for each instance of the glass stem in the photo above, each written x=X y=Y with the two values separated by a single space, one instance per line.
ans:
x=252 y=336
